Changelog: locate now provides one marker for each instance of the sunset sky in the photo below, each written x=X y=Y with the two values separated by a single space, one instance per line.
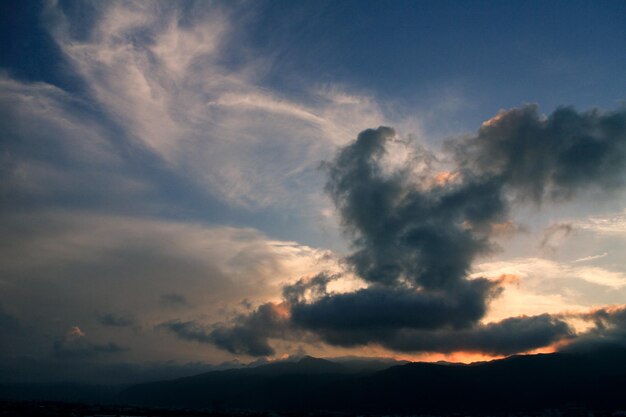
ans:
x=184 y=184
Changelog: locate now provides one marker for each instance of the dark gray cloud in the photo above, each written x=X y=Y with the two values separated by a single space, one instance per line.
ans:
x=380 y=308
x=249 y=334
x=554 y=233
x=315 y=287
x=608 y=328
x=188 y=330
x=416 y=236
x=114 y=320
x=174 y=299
x=82 y=350
x=509 y=336
x=385 y=323
x=402 y=232
x=74 y=345
x=609 y=319
x=548 y=157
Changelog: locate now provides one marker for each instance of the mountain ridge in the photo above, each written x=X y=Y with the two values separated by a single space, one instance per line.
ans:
x=519 y=382
x=595 y=378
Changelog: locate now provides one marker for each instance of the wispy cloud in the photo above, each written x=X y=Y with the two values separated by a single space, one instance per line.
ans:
x=161 y=78
x=591 y=258
x=609 y=225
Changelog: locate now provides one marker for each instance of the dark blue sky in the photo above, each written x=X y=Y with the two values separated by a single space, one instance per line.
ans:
x=498 y=54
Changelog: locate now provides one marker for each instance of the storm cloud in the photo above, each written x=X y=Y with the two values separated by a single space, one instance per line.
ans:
x=384 y=308
x=248 y=335
x=403 y=233
x=415 y=237
x=509 y=336
x=552 y=157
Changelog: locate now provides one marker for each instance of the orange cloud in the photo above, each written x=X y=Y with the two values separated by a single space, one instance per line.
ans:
x=281 y=310
x=444 y=177
x=471 y=357
x=506 y=228
x=74 y=333
x=508 y=279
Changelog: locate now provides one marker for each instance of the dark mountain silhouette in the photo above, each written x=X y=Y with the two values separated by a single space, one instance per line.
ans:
x=594 y=379
x=367 y=364
x=516 y=383
x=248 y=388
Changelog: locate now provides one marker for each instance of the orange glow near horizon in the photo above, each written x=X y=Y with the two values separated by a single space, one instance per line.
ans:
x=471 y=357
x=455 y=357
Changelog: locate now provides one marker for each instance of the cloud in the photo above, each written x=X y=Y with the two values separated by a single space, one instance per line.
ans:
x=378 y=308
x=251 y=332
x=156 y=126
x=114 y=320
x=75 y=346
x=305 y=288
x=509 y=336
x=74 y=333
x=608 y=328
x=606 y=225
x=386 y=323
x=161 y=75
x=601 y=276
x=56 y=152
x=552 y=157
x=97 y=265
x=543 y=271
x=248 y=335
x=174 y=299
x=416 y=236
x=162 y=114
x=554 y=235
x=79 y=350
x=591 y=257
x=402 y=232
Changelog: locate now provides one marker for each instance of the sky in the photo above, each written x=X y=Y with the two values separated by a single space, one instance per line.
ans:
x=194 y=185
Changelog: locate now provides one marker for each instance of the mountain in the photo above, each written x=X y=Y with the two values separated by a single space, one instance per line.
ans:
x=248 y=388
x=367 y=364
x=527 y=382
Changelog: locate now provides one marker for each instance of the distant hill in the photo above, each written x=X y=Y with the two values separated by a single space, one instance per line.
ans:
x=593 y=379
